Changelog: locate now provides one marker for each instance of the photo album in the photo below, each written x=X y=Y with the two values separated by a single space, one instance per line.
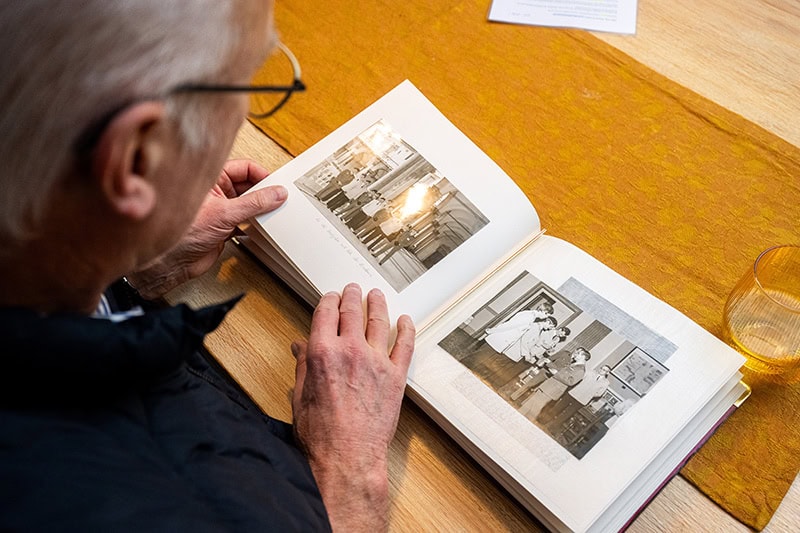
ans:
x=581 y=393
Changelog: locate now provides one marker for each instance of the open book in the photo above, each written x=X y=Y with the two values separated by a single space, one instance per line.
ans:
x=579 y=391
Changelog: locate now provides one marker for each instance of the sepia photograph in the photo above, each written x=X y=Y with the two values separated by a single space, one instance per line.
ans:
x=559 y=357
x=391 y=204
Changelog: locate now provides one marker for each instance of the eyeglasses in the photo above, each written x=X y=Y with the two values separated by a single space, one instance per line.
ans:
x=86 y=140
x=296 y=86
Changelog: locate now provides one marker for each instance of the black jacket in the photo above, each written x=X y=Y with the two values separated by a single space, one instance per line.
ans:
x=125 y=427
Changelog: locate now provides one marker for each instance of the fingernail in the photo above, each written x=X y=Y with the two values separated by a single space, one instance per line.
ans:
x=295 y=349
x=280 y=193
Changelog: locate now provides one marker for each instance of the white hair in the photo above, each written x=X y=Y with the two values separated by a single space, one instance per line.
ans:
x=67 y=64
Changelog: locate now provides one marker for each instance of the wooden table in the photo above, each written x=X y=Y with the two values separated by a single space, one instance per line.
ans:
x=738 y=53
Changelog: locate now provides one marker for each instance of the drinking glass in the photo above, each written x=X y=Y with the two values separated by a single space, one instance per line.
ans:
x=762 y=314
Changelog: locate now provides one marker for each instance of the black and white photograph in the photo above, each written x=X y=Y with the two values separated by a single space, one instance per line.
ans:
x=566 y=359
x=391 y=204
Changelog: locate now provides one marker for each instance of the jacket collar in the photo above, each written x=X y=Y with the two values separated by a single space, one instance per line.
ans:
x=75 y=355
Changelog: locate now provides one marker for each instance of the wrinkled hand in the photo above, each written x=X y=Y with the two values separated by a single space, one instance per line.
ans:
x=346 y=403
x=221 y=211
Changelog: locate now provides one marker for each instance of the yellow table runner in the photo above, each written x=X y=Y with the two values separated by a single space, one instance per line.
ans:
x=674 y=192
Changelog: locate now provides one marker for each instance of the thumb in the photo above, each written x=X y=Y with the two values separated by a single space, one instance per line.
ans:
x=258 y=202
x=299 y=352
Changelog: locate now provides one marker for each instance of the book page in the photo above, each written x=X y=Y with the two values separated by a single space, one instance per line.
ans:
x=399 y=199
x=618 y=16
x=571 y=378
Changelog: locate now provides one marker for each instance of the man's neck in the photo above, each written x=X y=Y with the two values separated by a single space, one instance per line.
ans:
x=50 y=282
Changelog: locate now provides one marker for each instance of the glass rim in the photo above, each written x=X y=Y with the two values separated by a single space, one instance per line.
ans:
x=762 y=255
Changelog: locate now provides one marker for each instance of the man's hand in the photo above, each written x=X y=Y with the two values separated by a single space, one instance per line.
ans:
x=221 y=211
x=346 y=404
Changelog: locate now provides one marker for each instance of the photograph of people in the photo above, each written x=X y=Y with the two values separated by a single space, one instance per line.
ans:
x=515 y=336
x=559 y=366
x=513 y=346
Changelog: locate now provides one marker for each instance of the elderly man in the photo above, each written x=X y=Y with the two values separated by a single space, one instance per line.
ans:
x=112 y=166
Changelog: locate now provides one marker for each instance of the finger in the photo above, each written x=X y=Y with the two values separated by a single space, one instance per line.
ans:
x=241 y=208
x=377 y=320
x=299 y=349
x=351 y=312
x=244 y=170
x=238 y=175
x=325 y=321
x=403 y=347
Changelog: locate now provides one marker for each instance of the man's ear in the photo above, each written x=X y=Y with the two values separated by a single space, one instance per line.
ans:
x=126 y=157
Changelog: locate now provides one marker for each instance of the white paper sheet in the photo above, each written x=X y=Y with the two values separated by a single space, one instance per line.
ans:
x=616 y=16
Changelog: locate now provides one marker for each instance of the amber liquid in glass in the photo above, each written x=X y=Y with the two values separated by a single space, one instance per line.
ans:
x=769 y=340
